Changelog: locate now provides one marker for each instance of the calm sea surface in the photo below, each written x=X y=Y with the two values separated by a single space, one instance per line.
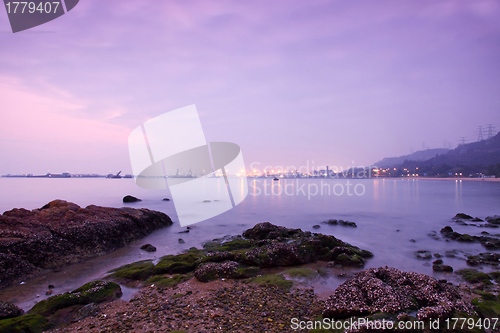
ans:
x=389 y=213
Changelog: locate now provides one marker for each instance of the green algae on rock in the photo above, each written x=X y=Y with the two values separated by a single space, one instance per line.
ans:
x=272 y=280
x=474 y=276
x=488 y=305
x=31 y=323
x=92 y=292
x=178 y=264
x=301 y=273
x=62 y=308
x=139 y=270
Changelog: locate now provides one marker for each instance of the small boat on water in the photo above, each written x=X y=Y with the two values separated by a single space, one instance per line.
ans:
x=276 y=178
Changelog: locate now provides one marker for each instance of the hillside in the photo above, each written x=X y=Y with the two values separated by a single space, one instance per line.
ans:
x=482 y=157
x=420 y=155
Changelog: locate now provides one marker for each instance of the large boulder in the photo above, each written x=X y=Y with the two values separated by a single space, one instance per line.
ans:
x=62 y=232
x=392 y=291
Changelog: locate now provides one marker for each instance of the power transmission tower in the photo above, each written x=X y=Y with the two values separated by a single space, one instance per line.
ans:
x=462 y=141
x=490 y=128
x=479 y=133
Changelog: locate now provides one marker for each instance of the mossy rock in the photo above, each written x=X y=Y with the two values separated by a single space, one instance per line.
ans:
x=235 y=244
x=271 y=279
x=466 y=238
x=301 y=273
x=473 y=276
x=99 y=291
x=139 y=270
x=487 y=307
x=246 y=272
x=178 y=264
x=486 y=295
x=214 y=243
x=329 y=241
x=50 y=305
x=65 y=315
x=165 y=281
x=495 y=276
x=363 y=253
x=92 y=292
x=31 y=323
x=349 y=260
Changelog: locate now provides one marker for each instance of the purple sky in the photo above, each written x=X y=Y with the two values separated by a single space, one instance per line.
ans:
x=326 y=81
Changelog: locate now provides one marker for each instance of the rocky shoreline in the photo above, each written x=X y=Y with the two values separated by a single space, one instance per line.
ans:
x=257 y=282
x=61 y=233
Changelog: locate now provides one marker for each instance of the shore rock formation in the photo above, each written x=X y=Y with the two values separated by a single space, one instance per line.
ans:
x=263 y=246
x=62 y=232
x=488 y=242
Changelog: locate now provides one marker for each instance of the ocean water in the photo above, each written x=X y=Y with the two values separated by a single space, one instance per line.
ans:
x=388 y=212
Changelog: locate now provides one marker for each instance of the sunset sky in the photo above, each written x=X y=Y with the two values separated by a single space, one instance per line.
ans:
x=334 y=82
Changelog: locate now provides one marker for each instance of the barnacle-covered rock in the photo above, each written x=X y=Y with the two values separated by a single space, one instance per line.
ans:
x=277 y=254
x=9 y=310
x=392 y=291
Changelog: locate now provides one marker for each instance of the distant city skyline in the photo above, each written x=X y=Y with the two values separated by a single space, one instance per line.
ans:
x=332 y=82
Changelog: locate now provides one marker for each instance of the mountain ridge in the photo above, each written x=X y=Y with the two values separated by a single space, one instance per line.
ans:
x=481 y=157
